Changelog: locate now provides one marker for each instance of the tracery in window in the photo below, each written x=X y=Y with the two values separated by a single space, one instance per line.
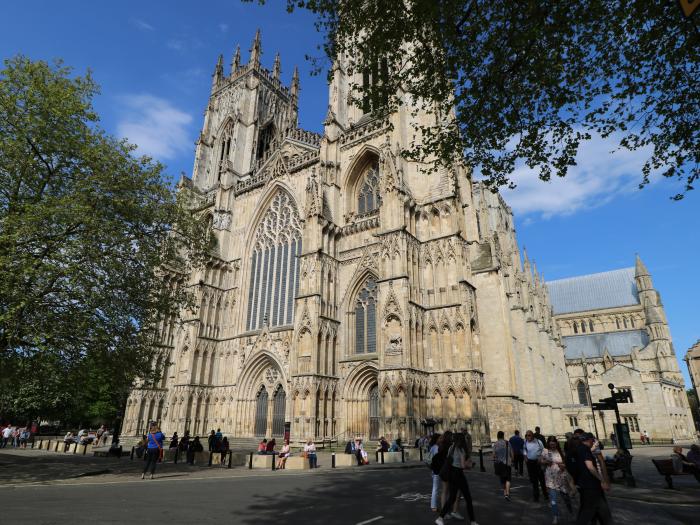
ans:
x=274 y=266
x=368 y=199
x=225 y=147
x=366 y=318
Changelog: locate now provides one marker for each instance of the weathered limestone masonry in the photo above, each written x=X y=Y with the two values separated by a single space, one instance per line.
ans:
x=351 y=292
x=615 y=331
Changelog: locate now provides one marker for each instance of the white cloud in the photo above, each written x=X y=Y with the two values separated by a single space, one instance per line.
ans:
x=602 y=173
x=158 y=128
x=223 y=27
x=142 y=24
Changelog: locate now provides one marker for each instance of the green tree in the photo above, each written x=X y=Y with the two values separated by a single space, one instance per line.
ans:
x=88 y=231
x=694 y=406
x=525 y=82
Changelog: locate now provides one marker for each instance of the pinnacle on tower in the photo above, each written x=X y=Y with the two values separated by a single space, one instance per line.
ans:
x=218 y=75
x=255 y=51
x=295 y=83
x=277 y=67
x=526 y=263
x=236 y=62
x=639 y=268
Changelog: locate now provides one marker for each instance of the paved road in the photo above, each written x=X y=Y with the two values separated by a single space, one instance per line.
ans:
x=372 y=496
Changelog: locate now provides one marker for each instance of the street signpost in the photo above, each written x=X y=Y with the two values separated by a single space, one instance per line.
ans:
x=621 y=429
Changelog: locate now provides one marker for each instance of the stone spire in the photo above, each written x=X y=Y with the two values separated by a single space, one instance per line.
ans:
x=218 y=75
x=236 y=62
x=277 y=67
x=255 y=51
x=526 y=264
x=295 y=84
x=640 y=268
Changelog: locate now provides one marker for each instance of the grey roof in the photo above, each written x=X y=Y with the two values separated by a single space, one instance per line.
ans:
x=594 y=345
x=594 y=291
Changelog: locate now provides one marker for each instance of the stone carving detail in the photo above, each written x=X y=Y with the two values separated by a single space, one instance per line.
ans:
x=271 y=375
x=314 y=200
x=394 y=347
x=222 y=220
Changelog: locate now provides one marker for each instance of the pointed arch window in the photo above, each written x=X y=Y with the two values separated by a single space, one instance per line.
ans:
x=590 y=325
x=368 y=199
x=274 y=265
x=225 y=147
x=366 y=318
x=575 y=327
x=582 y=394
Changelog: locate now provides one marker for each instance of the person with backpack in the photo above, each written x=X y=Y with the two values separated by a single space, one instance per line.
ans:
x=533 y=450
x=456 y=462
x=503 y=462
x=433 y=450
x=154 y=449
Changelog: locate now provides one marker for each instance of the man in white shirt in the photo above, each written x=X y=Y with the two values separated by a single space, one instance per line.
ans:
x=6 y=433
x=533 y=450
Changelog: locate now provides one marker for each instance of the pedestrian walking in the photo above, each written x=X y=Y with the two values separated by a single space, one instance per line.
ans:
x=225 y=450
x=211 y=441
x=310 y=450
x=591 y=484
x=556 y=477
x=457 y=462
x=533 y=450
x=517 y=443
x=174 y=442
x=154 y=450
x=433 y=462
x=502 y=462
x=647 y=438
x=538 y=436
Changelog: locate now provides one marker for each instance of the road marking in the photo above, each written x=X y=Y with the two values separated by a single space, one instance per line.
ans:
x=370 y=521
x=413 y=496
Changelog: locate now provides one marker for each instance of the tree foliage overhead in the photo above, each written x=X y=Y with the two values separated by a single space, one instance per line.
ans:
x=529 y=80
x=87 y=231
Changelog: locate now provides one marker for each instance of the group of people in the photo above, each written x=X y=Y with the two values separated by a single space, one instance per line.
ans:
x=449 y=456
x=15 y=436
x=556 y=471
x=688 y=464
x=85 y=437
x=266 y=447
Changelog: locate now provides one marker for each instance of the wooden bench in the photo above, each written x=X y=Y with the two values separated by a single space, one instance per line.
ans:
x=620 y=464
x=665 y=468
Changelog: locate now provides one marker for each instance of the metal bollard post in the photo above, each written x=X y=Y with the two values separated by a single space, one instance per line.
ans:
x=210 y=457
x=403 y=456
x=177 y=454
x=250 y=461
x=420 y=453
x=382 y=453
x=230 y=456
x=132 y=454
x=273 y=461
x=84 y=449
x=333 y=460
x=482 y=468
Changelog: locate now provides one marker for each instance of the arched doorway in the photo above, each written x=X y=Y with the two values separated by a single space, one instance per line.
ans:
x=261 y=412
x=374 y=413
x=278 y=407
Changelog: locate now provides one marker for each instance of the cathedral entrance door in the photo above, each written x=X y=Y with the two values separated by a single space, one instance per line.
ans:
x=261 y=413
x=374 y=413
x=278 y=406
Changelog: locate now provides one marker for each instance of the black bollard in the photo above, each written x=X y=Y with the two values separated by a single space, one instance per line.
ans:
x=420 y=453
x=250 y=461
x=132 y=453
x=333 y=460
x=403 y=456
x=382 y=453
x=177 y=454
x=273 y=461
x=482 y=468
x=210 y=458
x=230 y=455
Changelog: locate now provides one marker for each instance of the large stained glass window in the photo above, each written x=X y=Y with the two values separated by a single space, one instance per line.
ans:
x=274 y=265
x=366 y=318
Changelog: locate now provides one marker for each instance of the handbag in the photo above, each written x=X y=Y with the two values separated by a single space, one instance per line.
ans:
x=447 y=465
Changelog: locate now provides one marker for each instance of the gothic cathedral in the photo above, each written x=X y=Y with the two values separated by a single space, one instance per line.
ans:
x=351 y=292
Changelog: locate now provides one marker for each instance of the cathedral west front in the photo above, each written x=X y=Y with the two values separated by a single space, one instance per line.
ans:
x=350 y=292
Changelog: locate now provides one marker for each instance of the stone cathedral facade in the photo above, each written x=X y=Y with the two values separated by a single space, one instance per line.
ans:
x=351 y=292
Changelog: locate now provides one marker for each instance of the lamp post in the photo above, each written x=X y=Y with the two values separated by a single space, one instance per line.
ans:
x=588 y=391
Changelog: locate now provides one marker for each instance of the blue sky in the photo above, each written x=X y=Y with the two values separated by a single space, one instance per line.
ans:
x=154 y=62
